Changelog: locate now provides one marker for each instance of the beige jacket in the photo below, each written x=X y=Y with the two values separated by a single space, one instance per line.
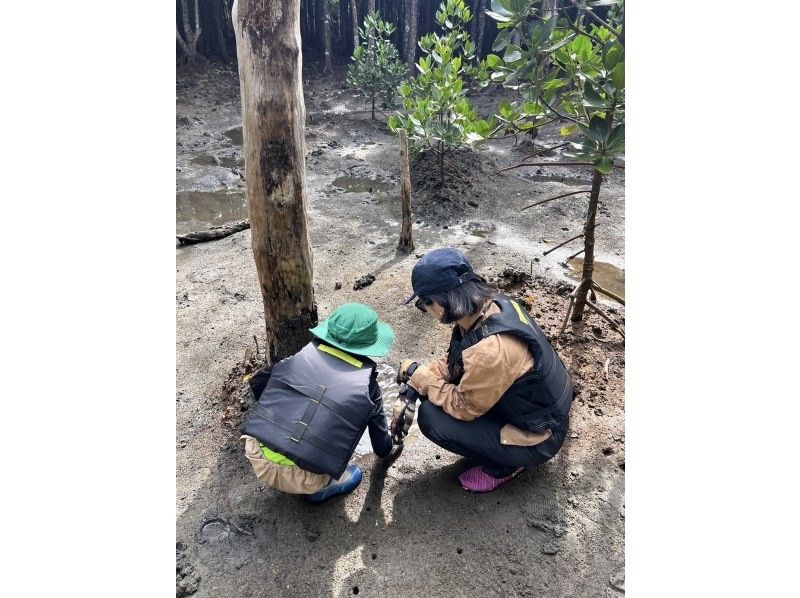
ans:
x=490 y=367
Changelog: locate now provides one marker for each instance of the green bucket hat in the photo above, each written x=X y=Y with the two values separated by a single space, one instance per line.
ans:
x=355 y=328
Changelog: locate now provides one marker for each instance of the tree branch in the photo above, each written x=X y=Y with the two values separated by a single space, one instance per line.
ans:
x=576 y=254
x=546 y=164
x=600 y=312
x=552 y=249
x=558 y=114
x=600 y=289
x=594 y=17
x=538 y=203
x=545 y=150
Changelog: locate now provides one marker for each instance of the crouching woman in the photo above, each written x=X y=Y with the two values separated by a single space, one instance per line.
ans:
x=313 y=407
x=502 y=395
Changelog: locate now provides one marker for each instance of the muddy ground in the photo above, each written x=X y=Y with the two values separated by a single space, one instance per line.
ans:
x=408 y=530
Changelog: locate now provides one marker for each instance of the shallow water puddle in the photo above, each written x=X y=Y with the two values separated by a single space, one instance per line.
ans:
x=235 y=135
x=210 y=160
x=606 y=275
x=352 y=184
x=199 y=210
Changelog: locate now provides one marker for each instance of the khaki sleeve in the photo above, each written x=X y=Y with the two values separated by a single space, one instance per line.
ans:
x=490 y=368
x=425 y=375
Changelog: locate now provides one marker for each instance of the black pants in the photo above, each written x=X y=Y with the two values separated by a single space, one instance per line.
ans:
x=479 y=439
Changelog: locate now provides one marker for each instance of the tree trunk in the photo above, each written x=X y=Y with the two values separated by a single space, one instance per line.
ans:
x=476 y=9
x=188 y=42
x=406 y=243
x=549 y=8
x=273 y=122
x=370 y=6
x=410 y=33
x=588 y=246
x=441 y=164
x=354 y=15
x=219 y=20
x=481 y=27
x=326 y=16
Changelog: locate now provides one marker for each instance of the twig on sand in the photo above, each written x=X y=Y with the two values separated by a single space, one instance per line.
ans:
x=605 y=368
x=574 y=255
x=613 y=324
x=538 y=203
x=552 y=249
x=600 y=289
x=572 y=296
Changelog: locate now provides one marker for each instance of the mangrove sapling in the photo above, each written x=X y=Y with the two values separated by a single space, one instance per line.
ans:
x=572 y=72
x=376 y=69
x=437 y=115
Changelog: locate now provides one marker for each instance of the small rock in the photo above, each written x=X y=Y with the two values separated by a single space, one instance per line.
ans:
x=206 y=134
x=549 y=549
x=337 y=286
x=312 y=535
x=474 y=204
x=617 y=581
x=364 y=281
x=598 y=411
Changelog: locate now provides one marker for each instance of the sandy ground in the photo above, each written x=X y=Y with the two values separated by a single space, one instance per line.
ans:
x=408 y=530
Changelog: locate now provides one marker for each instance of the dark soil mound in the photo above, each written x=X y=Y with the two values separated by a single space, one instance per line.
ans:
x=449 y=200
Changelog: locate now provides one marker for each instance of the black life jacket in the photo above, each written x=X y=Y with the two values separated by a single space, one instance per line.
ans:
x=314 y=408
x=540 y=398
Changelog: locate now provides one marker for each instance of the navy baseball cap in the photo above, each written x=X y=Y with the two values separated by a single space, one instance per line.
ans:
x=439 y=271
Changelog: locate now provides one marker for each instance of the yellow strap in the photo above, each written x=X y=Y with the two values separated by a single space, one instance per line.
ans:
x=522 y=317
x=341 y=355
x=276 y=457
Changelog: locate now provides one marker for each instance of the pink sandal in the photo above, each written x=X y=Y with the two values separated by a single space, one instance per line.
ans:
x=476 y=479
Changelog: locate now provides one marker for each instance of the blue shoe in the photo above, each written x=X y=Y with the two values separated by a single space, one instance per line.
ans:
x=349 y=481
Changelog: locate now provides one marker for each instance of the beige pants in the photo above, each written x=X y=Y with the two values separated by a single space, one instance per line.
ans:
x=286 y=478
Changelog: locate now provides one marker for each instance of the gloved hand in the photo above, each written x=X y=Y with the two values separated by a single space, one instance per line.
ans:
x=403 y=412
x=405 y=371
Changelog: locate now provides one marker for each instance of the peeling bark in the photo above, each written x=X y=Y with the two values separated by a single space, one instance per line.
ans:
x=273 y=120
x=406 y=243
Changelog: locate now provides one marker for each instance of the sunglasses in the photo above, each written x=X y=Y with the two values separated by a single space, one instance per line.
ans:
x=421 y=303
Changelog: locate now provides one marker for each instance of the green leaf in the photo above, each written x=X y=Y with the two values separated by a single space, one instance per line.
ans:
x=613 y=52
x=502 y=40
x=567 y=130
x=604 y=165
x=598 y=3
x=474 y=137
x=502 y=7
x=598 y=129
x=616 y=141
x=618 y=76
x=506 y=110
x=554 y=84
x=512 y=56
x=591 y=98
x=498 y=17
x=531 y=108
x=493 y=60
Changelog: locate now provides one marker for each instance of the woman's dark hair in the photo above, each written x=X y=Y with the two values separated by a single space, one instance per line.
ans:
x=464 y=300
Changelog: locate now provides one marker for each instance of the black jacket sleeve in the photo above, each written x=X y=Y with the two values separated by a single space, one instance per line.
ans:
x=378 y=428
